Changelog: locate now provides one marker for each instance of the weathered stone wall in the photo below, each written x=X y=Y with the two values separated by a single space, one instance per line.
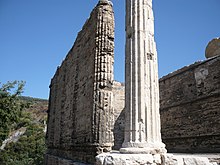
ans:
x=80 y=104
x=190 y=108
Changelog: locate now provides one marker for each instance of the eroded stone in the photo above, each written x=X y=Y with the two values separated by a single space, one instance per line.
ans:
x=80 y=106
x=213 y=48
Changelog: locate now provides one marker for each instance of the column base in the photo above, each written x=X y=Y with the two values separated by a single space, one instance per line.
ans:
x=143 y=148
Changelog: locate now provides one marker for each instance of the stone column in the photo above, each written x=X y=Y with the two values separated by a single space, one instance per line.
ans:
x=142 y=118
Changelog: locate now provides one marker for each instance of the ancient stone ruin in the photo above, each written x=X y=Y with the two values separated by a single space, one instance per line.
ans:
x=190 y=108
x=80 y=103
x=90 y=114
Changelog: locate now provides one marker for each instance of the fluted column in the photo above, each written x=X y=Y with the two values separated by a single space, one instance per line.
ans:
x=142 y=125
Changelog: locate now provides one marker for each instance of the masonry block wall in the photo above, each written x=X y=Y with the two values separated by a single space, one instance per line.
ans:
x=190 y=108
x=80 y=105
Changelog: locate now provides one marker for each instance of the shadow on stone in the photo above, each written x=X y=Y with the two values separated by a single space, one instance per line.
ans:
x=118 y=131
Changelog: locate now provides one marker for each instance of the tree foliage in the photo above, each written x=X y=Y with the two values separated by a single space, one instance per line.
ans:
x=11 y=107
x=30 y=147
x=28 y=150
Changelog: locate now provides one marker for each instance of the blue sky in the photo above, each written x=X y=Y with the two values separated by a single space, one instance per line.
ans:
x=35 y=36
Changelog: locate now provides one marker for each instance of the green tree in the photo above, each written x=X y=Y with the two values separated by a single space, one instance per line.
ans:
x=30 y=147
x=28 y=150
x=11 y=107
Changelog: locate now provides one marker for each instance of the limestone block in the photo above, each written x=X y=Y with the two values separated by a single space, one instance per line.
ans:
x=169 y=159
x=196 y=161
x=149 y=159
x=213 y=48
x=126 y=159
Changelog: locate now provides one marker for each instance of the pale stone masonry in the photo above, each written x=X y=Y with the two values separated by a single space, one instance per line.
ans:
x=142 y=118
x=190 y=108
x=80 y=106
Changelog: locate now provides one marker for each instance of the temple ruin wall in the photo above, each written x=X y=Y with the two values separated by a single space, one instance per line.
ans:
x=80 y=103
x=190 y=108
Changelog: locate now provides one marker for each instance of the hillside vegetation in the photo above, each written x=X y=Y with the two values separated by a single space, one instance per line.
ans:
x=22 y=126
